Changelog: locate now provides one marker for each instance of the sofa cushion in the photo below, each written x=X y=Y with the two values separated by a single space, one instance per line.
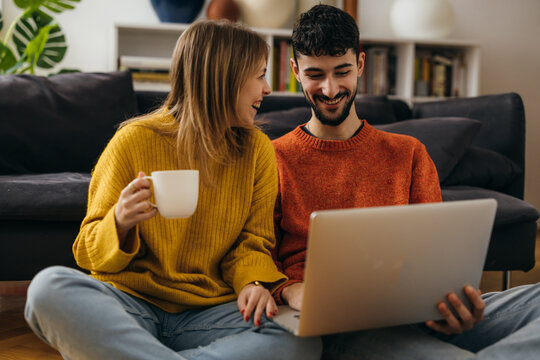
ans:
x=446 y=138
x=510 y=209
x=60 y=123
x=374 y=109
x=277 y=123
x=56 y=197
x=483 y=168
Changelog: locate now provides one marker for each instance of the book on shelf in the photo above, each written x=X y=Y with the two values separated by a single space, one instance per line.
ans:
x=146 y=69
x=283 y=79
x=379 y=76
x=144 y=63
x=440 y=73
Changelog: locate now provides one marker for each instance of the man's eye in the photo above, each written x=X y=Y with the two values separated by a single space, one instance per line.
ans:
x=343 y=73
x=314 y=76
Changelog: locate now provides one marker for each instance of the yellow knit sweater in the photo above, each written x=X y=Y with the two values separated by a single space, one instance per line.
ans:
x=182 y=264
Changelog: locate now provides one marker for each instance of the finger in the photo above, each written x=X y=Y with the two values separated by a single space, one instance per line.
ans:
x=251 y=302
x=261 y=305
x=271 y=308
x=438 y=327
x=242 y=302
x=450 y=319
x=140 y=183
x=463 y=312
x=477 y=302
x=140 y=196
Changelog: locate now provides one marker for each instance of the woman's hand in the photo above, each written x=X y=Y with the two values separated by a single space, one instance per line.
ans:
x=133 y=207
x=257 y=299
x=466 y=319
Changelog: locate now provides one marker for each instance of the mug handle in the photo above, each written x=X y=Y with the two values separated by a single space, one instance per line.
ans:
x=150 y=178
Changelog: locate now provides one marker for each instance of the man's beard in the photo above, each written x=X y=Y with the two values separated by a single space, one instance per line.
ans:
x=325 y=120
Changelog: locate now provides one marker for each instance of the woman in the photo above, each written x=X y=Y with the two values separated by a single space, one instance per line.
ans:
x=196 y=288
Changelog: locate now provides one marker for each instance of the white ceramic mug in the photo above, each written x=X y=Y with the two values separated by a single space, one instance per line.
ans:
x=176 y=192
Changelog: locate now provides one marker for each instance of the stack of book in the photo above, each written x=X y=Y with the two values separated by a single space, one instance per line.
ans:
x=148 y=73
x=283 y=76
x=439 y=74
x=379 y=77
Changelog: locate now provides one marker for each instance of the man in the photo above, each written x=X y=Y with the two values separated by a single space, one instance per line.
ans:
x=337 y=160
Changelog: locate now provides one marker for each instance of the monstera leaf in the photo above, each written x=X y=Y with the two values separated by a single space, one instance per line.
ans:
x=39 y=40
x=7 y=59
x=56 y=6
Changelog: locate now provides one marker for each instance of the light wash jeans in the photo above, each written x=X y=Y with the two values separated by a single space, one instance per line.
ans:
x=84 y=318
x=510 y=330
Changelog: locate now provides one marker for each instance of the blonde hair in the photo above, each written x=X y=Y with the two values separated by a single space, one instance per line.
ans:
x=211 y=63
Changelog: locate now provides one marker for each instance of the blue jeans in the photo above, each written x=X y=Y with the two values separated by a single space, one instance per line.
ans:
x=510 y=330
x=84 y=318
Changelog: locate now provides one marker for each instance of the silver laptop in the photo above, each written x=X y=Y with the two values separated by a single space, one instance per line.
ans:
x=385 y=266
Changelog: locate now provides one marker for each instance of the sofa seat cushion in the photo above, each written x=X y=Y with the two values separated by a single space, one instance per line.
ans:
x=56 y=197
x=510 y=209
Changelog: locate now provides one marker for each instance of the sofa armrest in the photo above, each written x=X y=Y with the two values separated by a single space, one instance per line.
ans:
x=503 y=126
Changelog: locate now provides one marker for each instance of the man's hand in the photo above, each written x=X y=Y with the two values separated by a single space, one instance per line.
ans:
x=452 y=325
x=256 y=298
x=293 y=295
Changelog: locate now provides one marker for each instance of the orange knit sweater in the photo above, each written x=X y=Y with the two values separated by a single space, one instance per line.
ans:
x=373 y=168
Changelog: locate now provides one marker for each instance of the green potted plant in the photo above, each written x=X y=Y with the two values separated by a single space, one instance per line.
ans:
x=37 y=37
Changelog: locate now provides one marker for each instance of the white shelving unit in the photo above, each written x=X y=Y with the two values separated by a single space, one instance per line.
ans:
x=156 y=42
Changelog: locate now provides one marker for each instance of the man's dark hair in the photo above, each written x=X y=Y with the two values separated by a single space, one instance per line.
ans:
x=325 y=30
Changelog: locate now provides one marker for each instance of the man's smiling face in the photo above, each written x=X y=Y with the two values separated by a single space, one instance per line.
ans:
x=329 y=84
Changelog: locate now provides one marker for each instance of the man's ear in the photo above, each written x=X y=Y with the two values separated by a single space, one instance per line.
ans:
x=295 y=69
x=361 y=62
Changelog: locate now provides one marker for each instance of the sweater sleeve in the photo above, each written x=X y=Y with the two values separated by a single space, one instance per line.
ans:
x=96 y=248
x=425 y=187
x=250 y=259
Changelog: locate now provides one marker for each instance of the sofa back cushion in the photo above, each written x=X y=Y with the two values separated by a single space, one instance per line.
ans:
x=60 y=123
x=446 y=138
x=374 y=109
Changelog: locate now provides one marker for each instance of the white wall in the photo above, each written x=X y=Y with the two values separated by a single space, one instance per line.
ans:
x=507 y=30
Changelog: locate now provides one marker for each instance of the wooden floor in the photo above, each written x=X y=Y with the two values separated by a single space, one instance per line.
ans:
x=17 y=342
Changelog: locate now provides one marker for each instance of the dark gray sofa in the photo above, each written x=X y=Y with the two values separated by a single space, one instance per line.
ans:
x=52 y=131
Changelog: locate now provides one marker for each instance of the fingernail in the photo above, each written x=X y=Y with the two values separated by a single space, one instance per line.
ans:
x=242 y=311
x=258 y=323
x=270 y=314
x=247 y=318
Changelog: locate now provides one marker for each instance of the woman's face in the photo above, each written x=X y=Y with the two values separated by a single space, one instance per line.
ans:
x=251 y=96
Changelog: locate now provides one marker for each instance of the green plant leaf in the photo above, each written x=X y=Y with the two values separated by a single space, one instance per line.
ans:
x=58 y=6
x=25 y=4
x=41 y=39
x=7 y=59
